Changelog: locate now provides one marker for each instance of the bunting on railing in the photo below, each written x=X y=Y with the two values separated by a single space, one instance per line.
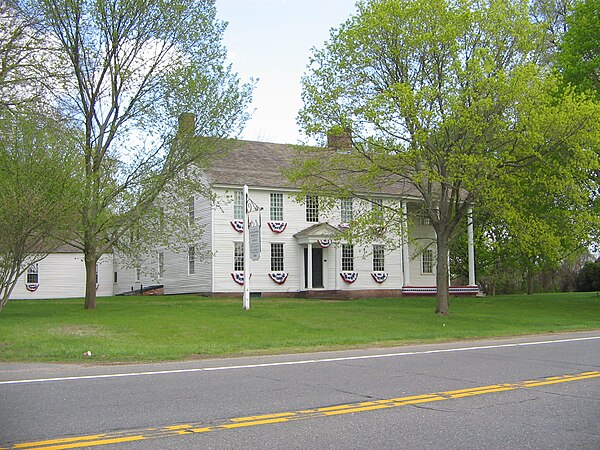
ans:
x=238 y=277
x=238 y=225
x=32 y=287
x=379 y=277
x=324 y=243
x=349 y=277
x=278 y=277
x=277 y=226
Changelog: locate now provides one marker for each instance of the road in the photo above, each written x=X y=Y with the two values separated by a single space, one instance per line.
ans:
x=529 y=392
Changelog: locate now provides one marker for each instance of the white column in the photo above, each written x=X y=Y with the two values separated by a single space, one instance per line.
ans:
x=405 y=254
x=309 y=273
x=246 y=300
x=471 y=249
x=336 y=272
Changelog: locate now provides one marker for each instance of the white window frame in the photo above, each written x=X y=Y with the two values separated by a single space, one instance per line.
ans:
x=347 y=258
x=238 y=256
x=191 y=260
x=33 y=274
x=378 y=258
x=427 y=261
x=377 y=209
x=161 y=264
x=276 y=206
x=312 y=208
x=277 y=257
x=346 y=210
x=138 y=274
x=238 y=205
x=191 y=210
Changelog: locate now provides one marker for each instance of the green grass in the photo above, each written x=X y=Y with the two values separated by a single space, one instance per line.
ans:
x=182 y=327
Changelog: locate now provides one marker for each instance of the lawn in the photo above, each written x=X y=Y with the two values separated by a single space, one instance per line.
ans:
x=183 y=327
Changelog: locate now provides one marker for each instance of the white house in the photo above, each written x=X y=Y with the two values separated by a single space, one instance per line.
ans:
x=61 y=274
x=301 y=254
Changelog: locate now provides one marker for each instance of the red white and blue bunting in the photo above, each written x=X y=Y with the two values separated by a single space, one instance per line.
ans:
x=238 y=225
x=276 y=226
x=32 y=287
x=324 y=243
x=349 y=277
x=278 y=277
x=379 y=277
x=344 y=225
x=238 y=277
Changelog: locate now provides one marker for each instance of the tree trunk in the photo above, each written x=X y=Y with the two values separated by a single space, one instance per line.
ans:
x=442 y=275
x=90 y=278
x=530 y=282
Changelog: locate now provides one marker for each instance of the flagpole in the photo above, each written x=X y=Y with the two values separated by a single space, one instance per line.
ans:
x=246 y=299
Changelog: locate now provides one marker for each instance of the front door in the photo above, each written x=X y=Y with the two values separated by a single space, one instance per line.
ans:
x=317 y=267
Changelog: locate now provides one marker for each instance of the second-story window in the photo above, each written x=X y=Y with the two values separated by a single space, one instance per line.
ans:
x=312 y=208
x=276 y=206
x=238 y=205
x=377 y=208
x=346 y=210
x=191 y=210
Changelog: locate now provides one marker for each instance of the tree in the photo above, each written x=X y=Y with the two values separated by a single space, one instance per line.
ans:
x=134 y=67
x=446 y=97
x=579 y=54
x=37 y=164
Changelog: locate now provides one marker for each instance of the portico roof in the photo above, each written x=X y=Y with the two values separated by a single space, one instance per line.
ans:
x=317 y=232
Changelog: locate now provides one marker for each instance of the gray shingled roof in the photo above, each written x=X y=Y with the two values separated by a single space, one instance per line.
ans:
x=261 y=164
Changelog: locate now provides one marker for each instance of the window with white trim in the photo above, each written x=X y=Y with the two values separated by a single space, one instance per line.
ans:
x=238 y=256
x=276 y=206
x=424 y=219
x=238 y=205
x=191 y=260
x=138 y=274
x=377 y=209
x=312 y=208
x=276 y=257
x=378 y=258
x=427 y=261
x=161 y=264
x=347 y=258
x=191 y=210
x=346 y=210
x=33 y=274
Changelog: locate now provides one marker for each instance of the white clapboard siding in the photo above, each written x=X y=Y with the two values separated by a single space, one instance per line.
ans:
x=62 y=275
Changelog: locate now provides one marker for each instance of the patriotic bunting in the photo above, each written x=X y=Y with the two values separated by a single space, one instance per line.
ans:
x=278 y=277
x=349 y=277
x=324 y=243
x=238 y=277
x=31 y=287
x=379 y=277
x=238 y=225
x=277 y=227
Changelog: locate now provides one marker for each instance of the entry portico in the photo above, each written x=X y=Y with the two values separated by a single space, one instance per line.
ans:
x=317 y=242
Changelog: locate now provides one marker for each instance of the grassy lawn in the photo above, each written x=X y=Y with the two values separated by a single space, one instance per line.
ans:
x=182 y=327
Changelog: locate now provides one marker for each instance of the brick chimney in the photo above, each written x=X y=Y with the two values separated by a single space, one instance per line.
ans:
x=339 y=139
x=187 y=123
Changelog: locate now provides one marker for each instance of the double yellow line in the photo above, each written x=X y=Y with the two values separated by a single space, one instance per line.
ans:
x=266 y=419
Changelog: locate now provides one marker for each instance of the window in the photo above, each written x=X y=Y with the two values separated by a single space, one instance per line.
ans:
x=312 y=208
x=161 y=264
x=378 y=258
x=97 y=274
x=346 y=210
x=276 y=257
x=191 y=260
x=191 y=210
x=33 y=274
x=116 y=279
x=238 y=256
x=424 y=219
x=138 y=274
x=238 y=205
x=347 y=258
x=427 y=261
x=276 y=207
x=377 y=209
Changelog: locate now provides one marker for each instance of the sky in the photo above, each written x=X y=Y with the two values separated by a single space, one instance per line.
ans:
x=271 y=40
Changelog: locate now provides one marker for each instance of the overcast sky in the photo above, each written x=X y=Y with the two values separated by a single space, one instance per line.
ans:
x=271 y=40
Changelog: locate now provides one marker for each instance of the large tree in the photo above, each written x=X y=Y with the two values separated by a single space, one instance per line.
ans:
x=447 y=97
x=134 y=67
x=37 y=190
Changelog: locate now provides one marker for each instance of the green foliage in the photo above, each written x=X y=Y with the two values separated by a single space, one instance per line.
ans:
x=447 y=100
x=190 y=327
x=588 y=278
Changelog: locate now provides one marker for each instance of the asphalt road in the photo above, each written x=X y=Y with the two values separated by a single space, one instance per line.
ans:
x=531 y=392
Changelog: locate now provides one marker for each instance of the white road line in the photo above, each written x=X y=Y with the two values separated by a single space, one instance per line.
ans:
x=293 y=363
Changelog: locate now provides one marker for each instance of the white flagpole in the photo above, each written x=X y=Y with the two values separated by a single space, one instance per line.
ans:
x=246 y=300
